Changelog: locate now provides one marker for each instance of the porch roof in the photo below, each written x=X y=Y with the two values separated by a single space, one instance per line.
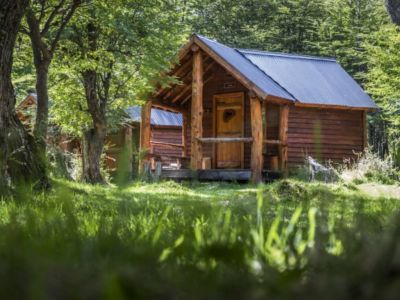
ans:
x=158 y=117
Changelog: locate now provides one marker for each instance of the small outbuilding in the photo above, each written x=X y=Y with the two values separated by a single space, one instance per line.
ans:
x=246 y=113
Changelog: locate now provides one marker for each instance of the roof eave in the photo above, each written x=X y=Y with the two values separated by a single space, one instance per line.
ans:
x=226 y=65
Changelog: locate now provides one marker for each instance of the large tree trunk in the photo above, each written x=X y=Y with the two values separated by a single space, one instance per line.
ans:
x=92 y=148
x=42 y=110
x=93 y=138
x=41 y=59
x=393 y=8
x=19 y=158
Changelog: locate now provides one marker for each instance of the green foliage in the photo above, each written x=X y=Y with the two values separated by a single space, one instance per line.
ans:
x=346 y=28
x=136 y=41
x=195 y=241
x=383 y=81
x=369 y=167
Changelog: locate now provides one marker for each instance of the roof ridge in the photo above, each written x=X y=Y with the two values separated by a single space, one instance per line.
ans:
x=288 y=55
x=244 y=56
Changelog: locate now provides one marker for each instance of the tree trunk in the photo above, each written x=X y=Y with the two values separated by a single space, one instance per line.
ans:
x=42 y=110
x=19 y=156
x=93 y=138
x=92 y=148
x=41 y=60
x=393 y=8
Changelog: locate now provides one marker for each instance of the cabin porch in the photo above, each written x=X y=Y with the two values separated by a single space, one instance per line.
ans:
x=229 y=132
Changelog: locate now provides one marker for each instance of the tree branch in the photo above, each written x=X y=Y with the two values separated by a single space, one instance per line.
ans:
x=65 y=20
x=50 y=19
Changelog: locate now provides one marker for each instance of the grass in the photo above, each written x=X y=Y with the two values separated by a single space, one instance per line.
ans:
x=166 y=240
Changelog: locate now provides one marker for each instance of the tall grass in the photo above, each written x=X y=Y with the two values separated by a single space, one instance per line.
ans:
x=196 y=241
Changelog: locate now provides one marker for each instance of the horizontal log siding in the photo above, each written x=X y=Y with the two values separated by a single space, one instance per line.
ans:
x=326 y=134
x=167 y=134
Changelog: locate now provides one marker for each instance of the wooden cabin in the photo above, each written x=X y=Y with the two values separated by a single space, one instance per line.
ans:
x=166 y=135
x=247 y=113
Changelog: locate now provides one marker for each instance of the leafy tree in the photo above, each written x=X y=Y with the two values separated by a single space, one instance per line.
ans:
x=286 y=25
x=346 y=29
x=18 y=151
x=46 y=21
x=115 y=50
x=383 y=82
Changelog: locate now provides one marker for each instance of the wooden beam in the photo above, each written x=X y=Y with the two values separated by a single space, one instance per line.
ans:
x=172 y=145
x=183 y=92
x=257 y=134
x=128 y=147
x=186 y=98
x=167 y=106
x=273 y=142
x=145 y=132
x=218 y=140
x=190 y=94
x=188 y=87
x=365 y=129
x=184 y=132
x=327 y=106
x=283 y=137
x=197 y=111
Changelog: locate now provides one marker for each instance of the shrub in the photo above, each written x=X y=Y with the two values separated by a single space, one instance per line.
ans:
x=369 y=167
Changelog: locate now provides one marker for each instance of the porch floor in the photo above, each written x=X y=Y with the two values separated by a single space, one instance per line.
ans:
x=240 y=175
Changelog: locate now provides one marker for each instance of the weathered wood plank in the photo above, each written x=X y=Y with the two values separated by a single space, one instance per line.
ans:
x=283 y=137
x=218 y=140
x=365 y=129
x=257 y=145
x=166 y=144
x=197 y=110
x=145 y=132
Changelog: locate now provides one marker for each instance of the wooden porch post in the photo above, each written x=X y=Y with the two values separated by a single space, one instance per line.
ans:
x=128 y=148
x=145 y=133
x=184 y=132
x=283 y=137
x=257 y=134
x=196 y=110
x=365 y=129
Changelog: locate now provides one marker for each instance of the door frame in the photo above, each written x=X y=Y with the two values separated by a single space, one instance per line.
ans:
x=214 y=150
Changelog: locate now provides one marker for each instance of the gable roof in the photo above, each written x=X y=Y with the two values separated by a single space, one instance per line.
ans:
x=158 y=117
x=297 y=78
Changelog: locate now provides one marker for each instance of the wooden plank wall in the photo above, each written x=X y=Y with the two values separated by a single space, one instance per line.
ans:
x=167 y=134
x=324 y=134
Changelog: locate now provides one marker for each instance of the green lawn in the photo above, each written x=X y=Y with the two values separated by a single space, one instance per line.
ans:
x=167 y=240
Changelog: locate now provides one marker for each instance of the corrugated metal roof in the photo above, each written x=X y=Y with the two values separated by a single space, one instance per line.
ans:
x=306 y=79
x=246 y=68
x=158 y=116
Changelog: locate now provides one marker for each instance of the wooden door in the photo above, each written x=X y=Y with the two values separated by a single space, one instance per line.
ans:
x=229 y=123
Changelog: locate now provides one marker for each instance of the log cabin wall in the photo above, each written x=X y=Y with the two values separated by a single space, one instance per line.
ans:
x=324 y=134
x=167 y=134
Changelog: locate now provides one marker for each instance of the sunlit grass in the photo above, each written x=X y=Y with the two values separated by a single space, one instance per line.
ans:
x=148 y=240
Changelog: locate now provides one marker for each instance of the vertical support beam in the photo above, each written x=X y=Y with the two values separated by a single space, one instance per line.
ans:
x=283 y=137
x=257 y=134
x=196 y=110
x=184 y=132
x=145 y=134
x=365 y=129
x=128 y=148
